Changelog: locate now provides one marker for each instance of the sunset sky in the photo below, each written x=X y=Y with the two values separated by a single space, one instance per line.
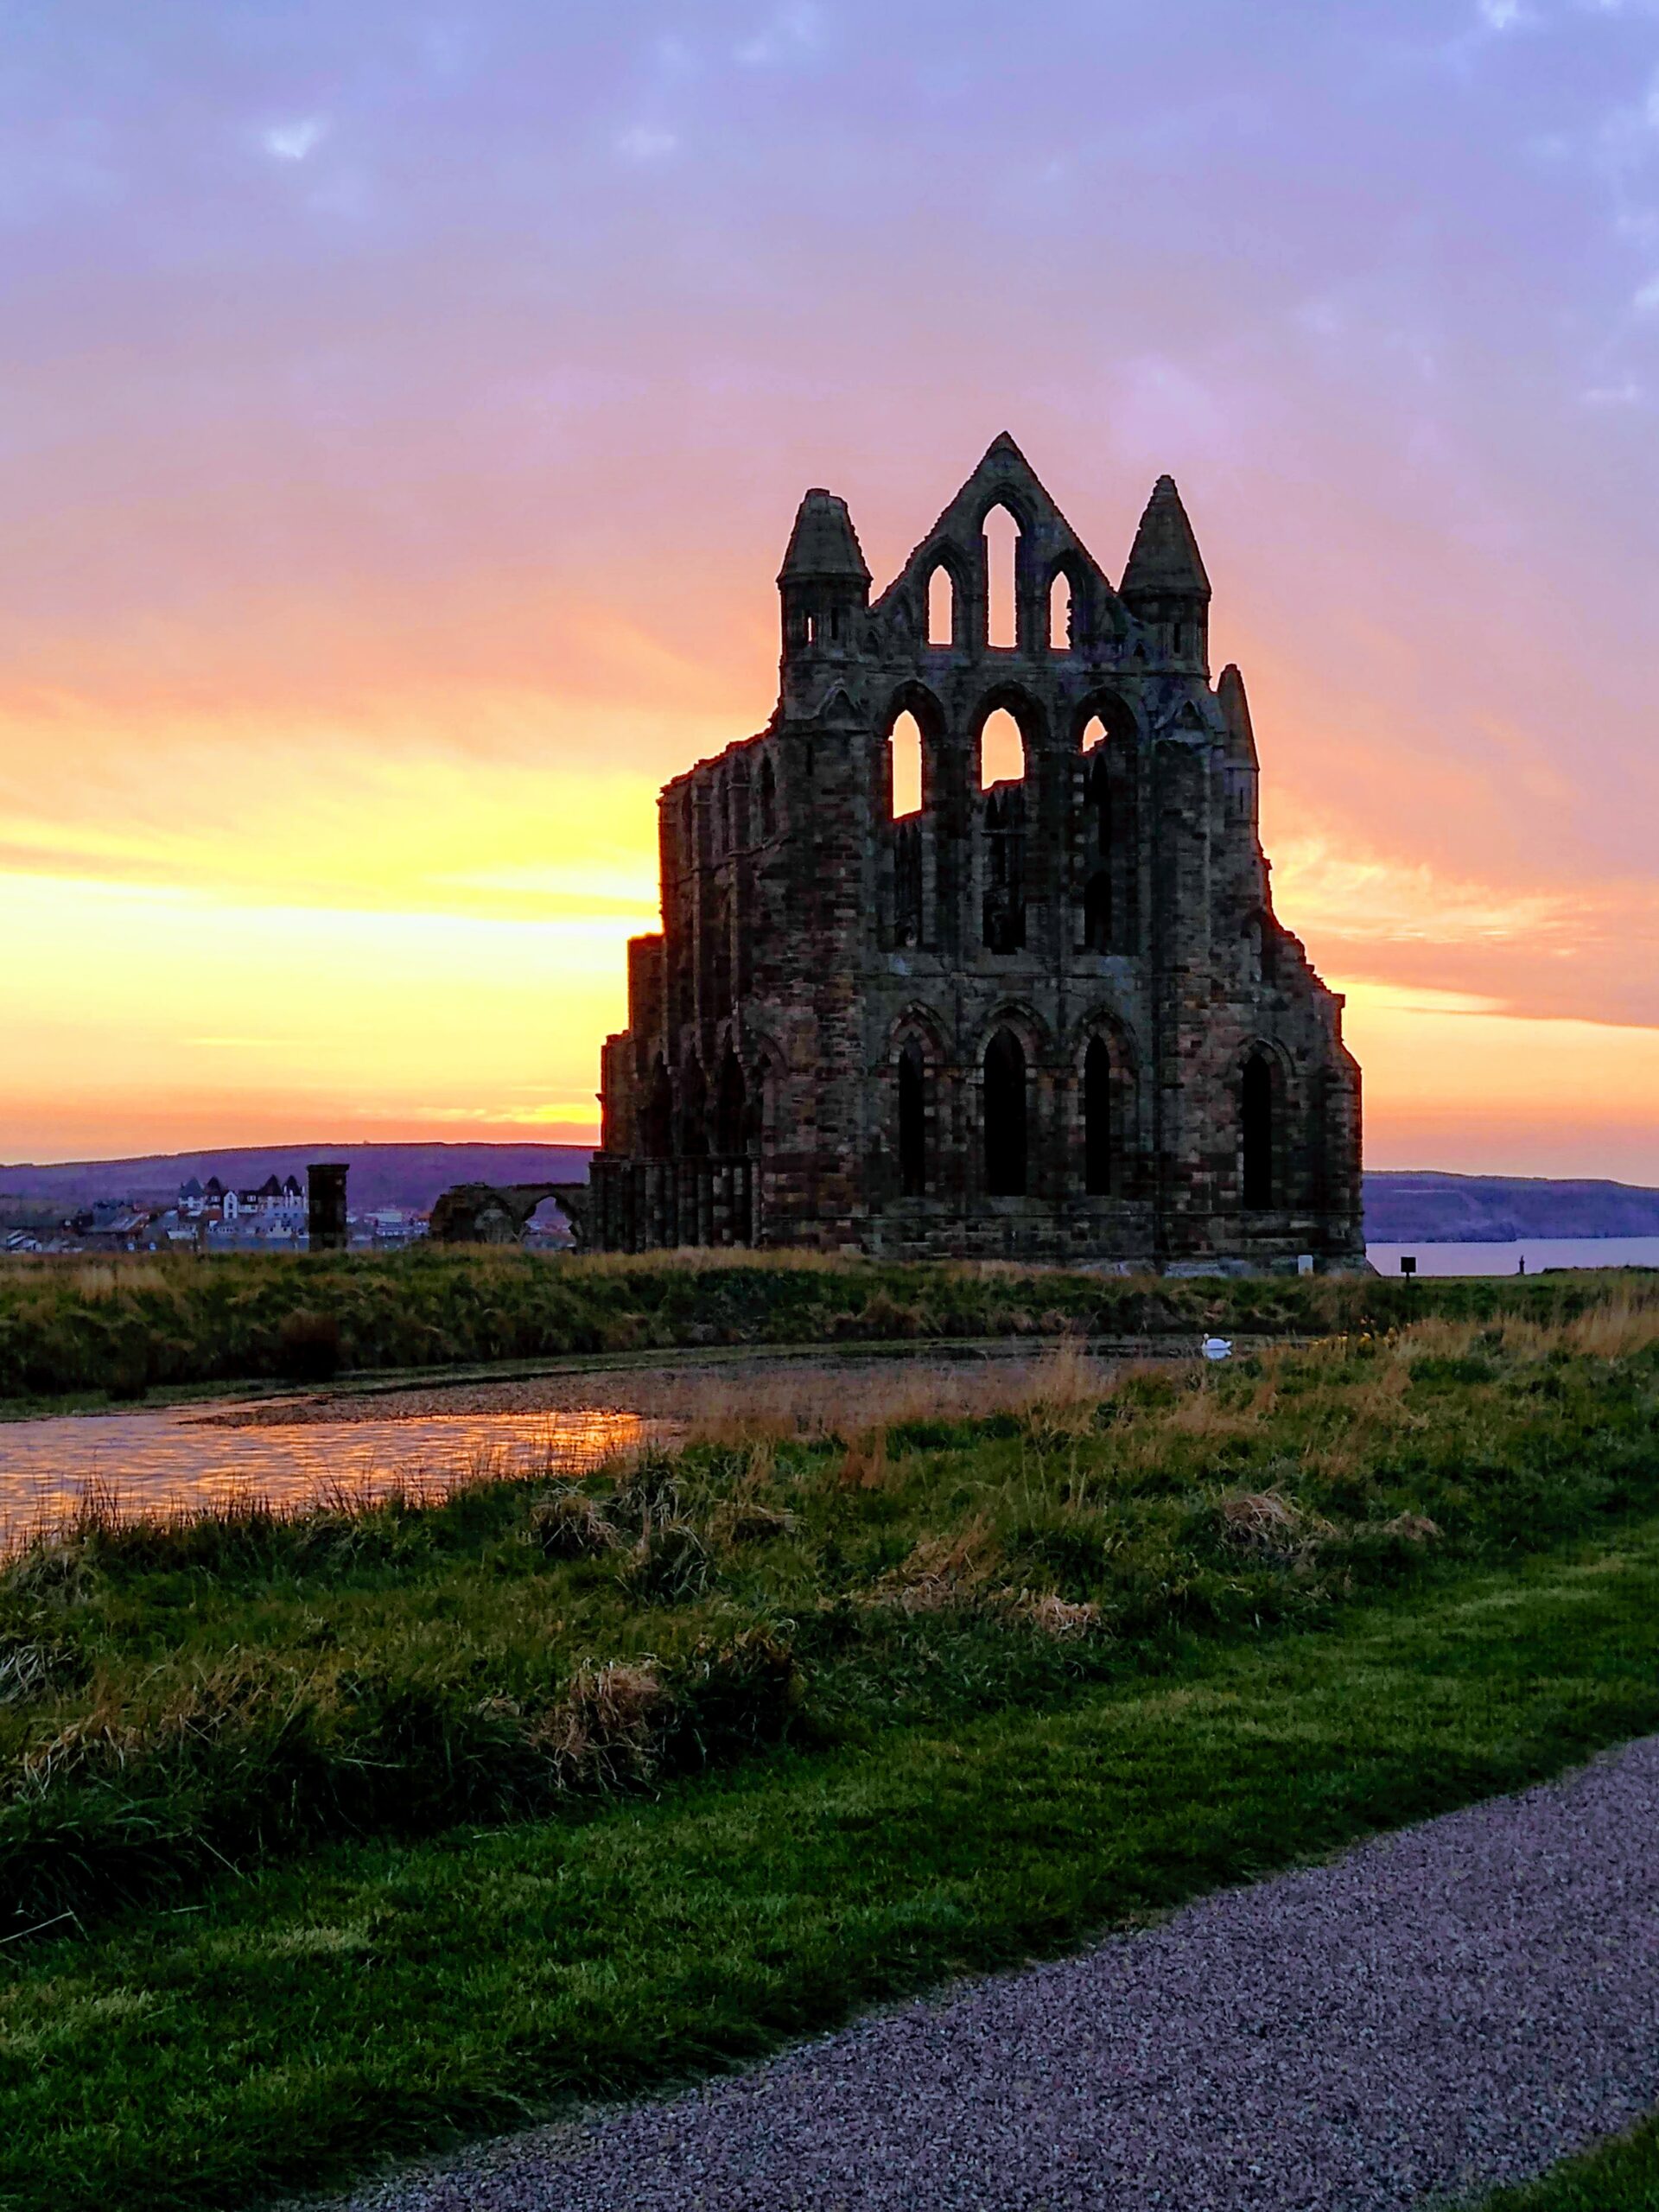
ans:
x=403 y=408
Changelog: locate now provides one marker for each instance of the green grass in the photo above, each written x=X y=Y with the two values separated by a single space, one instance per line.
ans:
x=377 y=1997
x=357 y=1829
x=1623 y=2175
x=120 y=1328
x=239 y=1687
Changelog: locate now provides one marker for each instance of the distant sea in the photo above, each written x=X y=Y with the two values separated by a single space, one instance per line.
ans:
x=1539 y=1253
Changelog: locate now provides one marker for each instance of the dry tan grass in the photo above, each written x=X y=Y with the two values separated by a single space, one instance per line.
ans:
x=569 y=1525
x=865 y=1466
x=1440 y=1338
x=604 y=1729
x=1415 y=1527
x=1059 y=1389
x=1062 y=1393
x=941 y=1573
x=1269 y=1524
x=1626 y=1321
x=1054 y=1616
x=738 y=1521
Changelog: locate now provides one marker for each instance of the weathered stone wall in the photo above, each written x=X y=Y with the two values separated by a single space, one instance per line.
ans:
x=850 y=1028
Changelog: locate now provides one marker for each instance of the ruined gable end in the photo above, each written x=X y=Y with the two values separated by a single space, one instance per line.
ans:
x=972 y=950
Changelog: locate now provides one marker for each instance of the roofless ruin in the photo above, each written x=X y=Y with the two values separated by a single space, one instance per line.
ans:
x=972 y=950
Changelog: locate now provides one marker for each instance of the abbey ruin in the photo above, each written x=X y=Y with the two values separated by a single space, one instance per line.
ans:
x=912 y=999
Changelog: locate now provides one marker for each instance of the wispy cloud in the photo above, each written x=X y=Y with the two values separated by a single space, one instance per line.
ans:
x=295 y=141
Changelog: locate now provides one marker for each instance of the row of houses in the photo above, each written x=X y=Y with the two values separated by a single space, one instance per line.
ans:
x=213 y=1216
x=272 y=1203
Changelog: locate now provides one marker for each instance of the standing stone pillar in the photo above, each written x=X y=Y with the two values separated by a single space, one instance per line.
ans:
x=326 y=1192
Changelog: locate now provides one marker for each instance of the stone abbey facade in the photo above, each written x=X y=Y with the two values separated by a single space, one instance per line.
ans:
x=1048 y=1014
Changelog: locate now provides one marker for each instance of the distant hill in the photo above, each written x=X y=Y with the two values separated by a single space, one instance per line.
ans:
x=382 y=1174
x=1428 y=1208
x=1421 y=1206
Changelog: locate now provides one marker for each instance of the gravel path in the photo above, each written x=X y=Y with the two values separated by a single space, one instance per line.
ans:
x=1446 y=2008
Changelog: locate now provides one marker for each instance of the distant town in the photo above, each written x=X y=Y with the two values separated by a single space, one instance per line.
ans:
x=217 y=1216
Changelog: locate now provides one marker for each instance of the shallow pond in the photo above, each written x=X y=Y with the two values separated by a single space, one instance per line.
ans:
x=422 y=1439
x=185 y=1458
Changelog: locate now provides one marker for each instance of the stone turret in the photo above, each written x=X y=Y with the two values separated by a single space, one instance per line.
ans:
x=1165 y=585
x=824 y=582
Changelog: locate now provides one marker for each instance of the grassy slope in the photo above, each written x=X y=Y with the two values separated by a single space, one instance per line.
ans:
x=240 y=1687
x=131 y=1326
x=376 y=1996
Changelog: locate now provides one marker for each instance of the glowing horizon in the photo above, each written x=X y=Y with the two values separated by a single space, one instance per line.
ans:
x=404 y=418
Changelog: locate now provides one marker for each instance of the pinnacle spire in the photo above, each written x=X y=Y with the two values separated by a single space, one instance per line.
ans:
x=823 y=541
x=1235 y=710
x=1165 y=557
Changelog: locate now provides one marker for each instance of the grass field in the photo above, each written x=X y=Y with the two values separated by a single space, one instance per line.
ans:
x=555 y=1789
x=377 y=1997
x=102 y=1329
x=234 y=1687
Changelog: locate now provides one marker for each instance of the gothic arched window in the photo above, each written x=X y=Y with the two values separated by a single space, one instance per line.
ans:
x=906 y=744
x=1001 y=750
x=1005 y=1116
x=941 y=607
x=1001 y=573
x=1062 y=614
x=1258 y=1111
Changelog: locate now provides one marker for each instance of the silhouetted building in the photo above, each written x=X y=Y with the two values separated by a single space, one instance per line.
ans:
x=1046 y=1012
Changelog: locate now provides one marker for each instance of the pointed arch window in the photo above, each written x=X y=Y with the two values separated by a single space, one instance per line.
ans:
x=1001 y=750
x=1109 y=840
x=1005 y=1116
x=941 y=607
x=1258 y=1113
x=906 y=744
x=1062 y=614
x=1002 y=572
x=912 y=1120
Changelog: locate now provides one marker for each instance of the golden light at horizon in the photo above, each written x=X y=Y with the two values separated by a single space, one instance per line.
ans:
x=467 y=990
